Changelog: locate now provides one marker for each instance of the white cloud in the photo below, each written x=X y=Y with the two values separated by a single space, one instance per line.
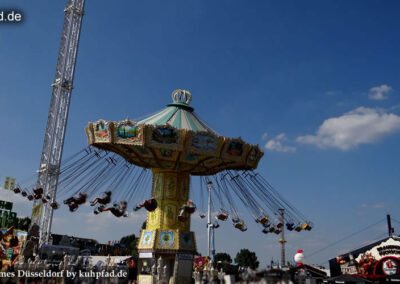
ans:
x=333 y=93
x=103 y=227
x=276 y=144
x=359 y=126
x=10 y=196
x=379 y=92
x=264 y=136
x=378 y=205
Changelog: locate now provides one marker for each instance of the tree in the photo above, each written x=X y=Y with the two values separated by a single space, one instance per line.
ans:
x=223 y=257
x=247 y=258
x=130 y=243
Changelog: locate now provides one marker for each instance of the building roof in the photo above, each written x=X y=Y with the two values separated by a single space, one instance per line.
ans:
x=346 y=278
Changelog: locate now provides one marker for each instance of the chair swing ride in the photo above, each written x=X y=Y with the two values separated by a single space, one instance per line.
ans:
x=175 y=144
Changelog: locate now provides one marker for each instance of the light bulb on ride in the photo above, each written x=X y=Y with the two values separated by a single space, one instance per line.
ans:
x=299 y=257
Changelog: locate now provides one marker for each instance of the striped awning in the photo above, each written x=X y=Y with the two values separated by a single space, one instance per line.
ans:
x=179 y=115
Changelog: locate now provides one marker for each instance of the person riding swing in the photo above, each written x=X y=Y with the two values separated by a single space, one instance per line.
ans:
x=149 y=204
x=189 y=207
x=115 y=210
x=105 y=199
x=54 y=205
x=74 y=202
x=81 y=199
x=38 y=193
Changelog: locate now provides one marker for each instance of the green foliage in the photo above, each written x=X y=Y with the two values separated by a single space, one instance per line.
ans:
x=144 y=225
x=23 y=223
x=223 y=257
x=18 y=223
x=130 y=243
x=246 y=258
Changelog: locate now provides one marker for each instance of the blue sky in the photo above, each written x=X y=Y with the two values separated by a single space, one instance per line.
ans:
x=314 y=83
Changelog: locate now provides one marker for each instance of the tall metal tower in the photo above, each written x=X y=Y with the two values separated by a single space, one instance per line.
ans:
x=42 y=213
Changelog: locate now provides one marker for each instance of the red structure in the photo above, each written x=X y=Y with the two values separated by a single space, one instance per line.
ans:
x=376 y=261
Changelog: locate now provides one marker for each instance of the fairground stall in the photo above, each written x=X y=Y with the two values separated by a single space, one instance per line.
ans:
x=377 y=261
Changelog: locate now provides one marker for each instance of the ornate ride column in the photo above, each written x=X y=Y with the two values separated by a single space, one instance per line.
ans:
x=171 y=190
x=165 y=235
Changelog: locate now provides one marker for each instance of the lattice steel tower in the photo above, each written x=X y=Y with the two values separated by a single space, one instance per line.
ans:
x=58 y=114
x=282 y=239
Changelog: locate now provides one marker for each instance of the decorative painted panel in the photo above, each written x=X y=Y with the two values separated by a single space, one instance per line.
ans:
x=157 y=191
x=254 y=156
x=191 y=157
x=153 y=219
x=204 y=143
x=127 y=132
x=235 y=150
x=184 y=188
x=145 y=279
x=170 y=187
x=167 y=240
x=165 y=137
x=147 y=239
x=186 y=241
x=101 y=131
x=170 y=215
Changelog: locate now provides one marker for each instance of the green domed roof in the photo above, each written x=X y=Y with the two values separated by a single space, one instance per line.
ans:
x=178 y=114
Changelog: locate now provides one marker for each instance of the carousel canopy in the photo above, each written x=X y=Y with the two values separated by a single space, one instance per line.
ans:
x=178 y=114
x=174 y=139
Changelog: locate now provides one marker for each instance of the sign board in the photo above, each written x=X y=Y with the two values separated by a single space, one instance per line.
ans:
x=390 y=247
x=7 y=218
x=36 y=210
x=185 y=256
x=145 y=255
x=6 y=205
x=380 y=260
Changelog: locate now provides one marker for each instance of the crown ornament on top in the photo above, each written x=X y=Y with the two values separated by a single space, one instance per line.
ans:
x=181 y=96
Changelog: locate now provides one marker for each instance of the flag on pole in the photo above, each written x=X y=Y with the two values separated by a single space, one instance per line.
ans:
x=12 y=183
x=9 y=183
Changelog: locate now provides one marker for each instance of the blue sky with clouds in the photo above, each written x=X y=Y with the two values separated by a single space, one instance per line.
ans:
x=314 y=83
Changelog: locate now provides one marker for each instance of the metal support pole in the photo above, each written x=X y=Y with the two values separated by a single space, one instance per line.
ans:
x=389 y=223
x=213 y=243
x=209 y=186
x=282 y=240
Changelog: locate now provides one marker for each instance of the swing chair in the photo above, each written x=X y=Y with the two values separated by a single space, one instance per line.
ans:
x=222 y=215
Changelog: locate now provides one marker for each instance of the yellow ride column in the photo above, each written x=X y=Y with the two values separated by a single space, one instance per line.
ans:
x=165 y=236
